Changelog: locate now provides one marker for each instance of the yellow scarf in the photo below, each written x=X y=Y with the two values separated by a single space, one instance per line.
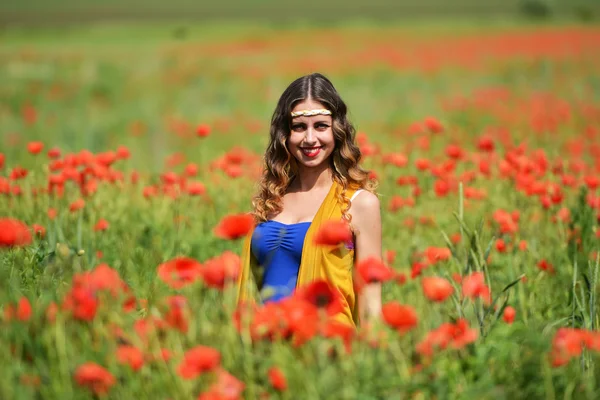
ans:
x=333 y=264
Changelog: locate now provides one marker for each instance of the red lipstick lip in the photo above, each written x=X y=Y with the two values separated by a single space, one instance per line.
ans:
x=311 y=148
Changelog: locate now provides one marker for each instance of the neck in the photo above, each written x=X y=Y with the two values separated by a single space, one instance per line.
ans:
x=313 y=178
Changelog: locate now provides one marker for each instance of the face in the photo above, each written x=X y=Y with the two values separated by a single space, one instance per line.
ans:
x=311 y=138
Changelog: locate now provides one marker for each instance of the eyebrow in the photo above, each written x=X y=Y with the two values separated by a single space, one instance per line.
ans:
x=316 y=122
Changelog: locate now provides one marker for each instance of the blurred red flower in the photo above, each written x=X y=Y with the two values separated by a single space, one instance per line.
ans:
x=234 y=226
x=18 y=173
x=570 y=342
x=101 y=225
x=220 y=270
x=277 y=379
x=196 y=188
x=123 y=153
x=437 y=254
x=433 y=125
x=544 y=265
x=323 y=295
x=473 y=286
x=77 y=205
x=226 y=387
x=39 y=230
x=35 y=147
x=398 y=316
x=372 y=269
x=436 y=289
x=24 y=309
x=454 y=335
x=94 y=377
x=177 y=315
x=198 y=360
x=509 y=315
x=54 y=153
x=332 y=233
x=203 y=130
x=130 y=355
x=179 y=272
x=14 y=233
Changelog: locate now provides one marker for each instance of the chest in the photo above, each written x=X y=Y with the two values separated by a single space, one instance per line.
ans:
x=299 y=207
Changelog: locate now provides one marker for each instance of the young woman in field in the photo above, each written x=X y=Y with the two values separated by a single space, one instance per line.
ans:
x=311 y=176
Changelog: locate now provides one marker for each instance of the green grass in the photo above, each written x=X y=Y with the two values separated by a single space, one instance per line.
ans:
x=90 y=85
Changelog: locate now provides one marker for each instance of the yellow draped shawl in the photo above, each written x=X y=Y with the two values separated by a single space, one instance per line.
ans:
x=330 y=263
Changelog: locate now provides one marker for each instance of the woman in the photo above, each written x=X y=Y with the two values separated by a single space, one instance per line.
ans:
x=312 y=176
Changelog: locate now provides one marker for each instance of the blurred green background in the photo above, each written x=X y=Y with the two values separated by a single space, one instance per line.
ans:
x=45 y=12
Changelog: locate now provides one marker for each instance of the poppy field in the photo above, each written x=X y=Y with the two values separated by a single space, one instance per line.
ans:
x=129 y=156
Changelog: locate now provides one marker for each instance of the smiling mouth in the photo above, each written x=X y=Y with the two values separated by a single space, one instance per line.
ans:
x=311 y=151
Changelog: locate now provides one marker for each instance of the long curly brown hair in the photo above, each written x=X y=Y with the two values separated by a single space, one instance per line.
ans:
x=280 y=166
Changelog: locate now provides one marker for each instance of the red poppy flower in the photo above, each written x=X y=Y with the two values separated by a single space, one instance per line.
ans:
x=39 y=230
x=177 y=315
x=344 y=331
x=196 y=188
x=433 y=125
x=233 y=170
x=203 y=130
x=437 y=254
x=226 y=387
x=441 y=188
x=35 y=147
x=473 y=286
x=400 y=317
x=509 y=315
x=322 y=295
x=454 y=151
x=101 y=225
x=277 y=379
x=372 y=269
x=18 y=173
x=221 y=269
x=485 y=143
x=23 y=309
x=454 y=335
x=94 y=377
x=544 y=265
x=130 y=355
x=198 y=360
x=123 y=153
x=332 y=233
x=570 y=342
x=422 y=164
x=54 y=153
x=234 y=226
x=179 y=272
x=2 y=159
x=436 y=289
x=77 y=205
x=14 y=233
x=299 y=318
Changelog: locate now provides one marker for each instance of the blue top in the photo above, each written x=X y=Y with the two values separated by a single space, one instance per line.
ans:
x=278 y=248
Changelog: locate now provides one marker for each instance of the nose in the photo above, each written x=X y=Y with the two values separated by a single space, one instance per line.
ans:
x=309 y=137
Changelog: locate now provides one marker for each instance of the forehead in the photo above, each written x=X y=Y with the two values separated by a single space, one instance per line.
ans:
x=310 y=104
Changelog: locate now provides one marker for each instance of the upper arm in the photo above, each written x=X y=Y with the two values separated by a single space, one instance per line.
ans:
x=366 y=219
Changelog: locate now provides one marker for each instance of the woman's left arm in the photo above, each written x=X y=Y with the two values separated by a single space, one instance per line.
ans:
x=366 y=219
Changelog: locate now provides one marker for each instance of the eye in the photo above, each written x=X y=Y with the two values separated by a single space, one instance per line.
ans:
x=298 y=127
x=321 y=126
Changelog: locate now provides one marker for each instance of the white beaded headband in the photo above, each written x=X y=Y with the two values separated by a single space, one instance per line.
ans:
x=309 y=113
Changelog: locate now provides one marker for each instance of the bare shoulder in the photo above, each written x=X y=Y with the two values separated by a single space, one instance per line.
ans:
x=365 y=206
